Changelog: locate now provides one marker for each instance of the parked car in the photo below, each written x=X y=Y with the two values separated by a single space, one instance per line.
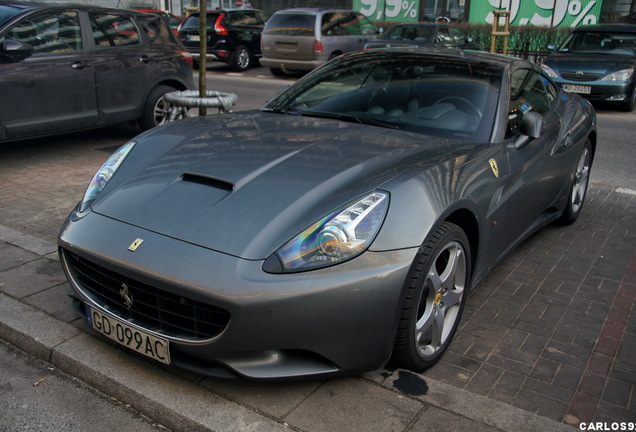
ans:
x=171 y=19
x=423 y=35
x=304 y=38
x=343 y=224
x=65 y=68
x=598 y=62
x=233 y=36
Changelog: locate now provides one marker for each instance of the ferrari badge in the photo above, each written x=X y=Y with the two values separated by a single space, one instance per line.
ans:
x=133 y=247
x=494 y=167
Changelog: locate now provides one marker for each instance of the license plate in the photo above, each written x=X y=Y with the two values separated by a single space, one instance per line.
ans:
x=129 y=336
x=194 y=38
x=577 y=88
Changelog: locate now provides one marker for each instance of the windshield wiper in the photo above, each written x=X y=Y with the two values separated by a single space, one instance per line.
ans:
x=281 y=110
x=350 y=118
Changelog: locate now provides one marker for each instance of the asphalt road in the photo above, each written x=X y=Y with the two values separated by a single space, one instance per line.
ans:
x=37 y=397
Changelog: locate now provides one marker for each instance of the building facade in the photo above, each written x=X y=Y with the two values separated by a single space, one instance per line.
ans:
x=535 y=12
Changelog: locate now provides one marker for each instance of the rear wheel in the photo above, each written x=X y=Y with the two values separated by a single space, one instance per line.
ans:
x=578 y=190
x=241 y=59
x=434 y=300
x=155 y=111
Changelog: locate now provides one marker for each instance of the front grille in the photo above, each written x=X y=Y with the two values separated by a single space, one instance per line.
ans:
x=582 y=76
x=152 y=308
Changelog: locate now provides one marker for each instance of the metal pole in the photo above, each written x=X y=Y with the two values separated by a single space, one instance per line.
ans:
x=203 y=49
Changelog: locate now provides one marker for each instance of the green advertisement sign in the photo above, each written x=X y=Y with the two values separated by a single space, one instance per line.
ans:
x=553 y=13
x=389 y=10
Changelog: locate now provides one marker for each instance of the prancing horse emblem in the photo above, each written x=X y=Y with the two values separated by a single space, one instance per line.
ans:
x=494 y=167
x=133 y=247
x=126 y=295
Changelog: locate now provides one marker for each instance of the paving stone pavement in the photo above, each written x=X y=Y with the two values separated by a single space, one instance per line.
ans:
x=547 y=341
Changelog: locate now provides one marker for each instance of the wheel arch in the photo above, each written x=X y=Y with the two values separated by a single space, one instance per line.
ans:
x=467 y=221
x=592 y=138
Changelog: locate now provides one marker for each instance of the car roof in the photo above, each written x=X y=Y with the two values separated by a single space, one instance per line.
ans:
x=27 y=5
x=494 y=59
x=227 y=10
x=607 y=27
x=313 y=10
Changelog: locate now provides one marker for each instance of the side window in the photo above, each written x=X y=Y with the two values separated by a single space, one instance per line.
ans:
x=155 y=29
x=113 y=30
x=366 y=26
x=346 y=23
x=528 y=92
x=250 y=19
x=51 y=32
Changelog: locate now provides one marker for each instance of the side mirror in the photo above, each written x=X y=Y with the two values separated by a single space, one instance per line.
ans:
x=469 y=39
x=14 y=51
x=552 y=47
x=531 y=128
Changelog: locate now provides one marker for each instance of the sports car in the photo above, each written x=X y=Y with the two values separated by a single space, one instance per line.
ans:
x=339 y=227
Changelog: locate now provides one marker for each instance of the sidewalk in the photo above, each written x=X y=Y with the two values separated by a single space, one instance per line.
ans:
x=547 y=340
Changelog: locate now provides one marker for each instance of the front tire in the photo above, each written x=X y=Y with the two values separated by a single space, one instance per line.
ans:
x=155 y=111
x=629 y=105
x=437 y=287
x=578 y=190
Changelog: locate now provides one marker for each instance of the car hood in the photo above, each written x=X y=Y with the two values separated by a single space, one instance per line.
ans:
x=590 y=63
x=244 y=184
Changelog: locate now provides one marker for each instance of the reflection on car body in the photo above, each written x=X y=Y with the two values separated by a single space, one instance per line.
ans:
x=340 y=226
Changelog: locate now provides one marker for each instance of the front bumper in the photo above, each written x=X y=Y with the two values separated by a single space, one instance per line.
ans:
x=600 y=91
x=336 y=320
x=292 y=65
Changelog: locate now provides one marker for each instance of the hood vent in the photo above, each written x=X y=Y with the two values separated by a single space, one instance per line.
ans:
x=207 y=181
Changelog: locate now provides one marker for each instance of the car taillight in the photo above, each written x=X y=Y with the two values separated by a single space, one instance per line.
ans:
x=317 y=47
x=218 y=26
x=188 y=58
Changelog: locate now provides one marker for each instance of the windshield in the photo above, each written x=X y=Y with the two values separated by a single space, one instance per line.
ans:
x=7 y=12
x=600 y=42
x=192 y=22
x=441 y=96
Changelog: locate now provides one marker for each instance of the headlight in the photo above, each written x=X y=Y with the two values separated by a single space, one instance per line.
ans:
x=622 y=75
x=548 y=70
x=104 y=174
x=338 y=237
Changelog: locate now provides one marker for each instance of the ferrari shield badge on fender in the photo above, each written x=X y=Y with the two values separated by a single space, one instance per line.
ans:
x=133 y=247
x=494 y=167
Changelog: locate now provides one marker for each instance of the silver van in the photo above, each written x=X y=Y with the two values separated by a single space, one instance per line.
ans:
x=301 y=39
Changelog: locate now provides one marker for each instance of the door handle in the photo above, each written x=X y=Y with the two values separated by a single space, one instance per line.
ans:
x=80 y=65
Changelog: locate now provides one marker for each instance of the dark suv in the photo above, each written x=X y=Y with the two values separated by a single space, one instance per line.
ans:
x=67 y=67
x=233 y=36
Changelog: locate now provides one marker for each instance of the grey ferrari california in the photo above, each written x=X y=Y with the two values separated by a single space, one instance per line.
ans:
x=342 y=225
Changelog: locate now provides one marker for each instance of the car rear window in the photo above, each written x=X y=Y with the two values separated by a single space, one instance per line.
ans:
x=291 y=24
x=192 y=22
